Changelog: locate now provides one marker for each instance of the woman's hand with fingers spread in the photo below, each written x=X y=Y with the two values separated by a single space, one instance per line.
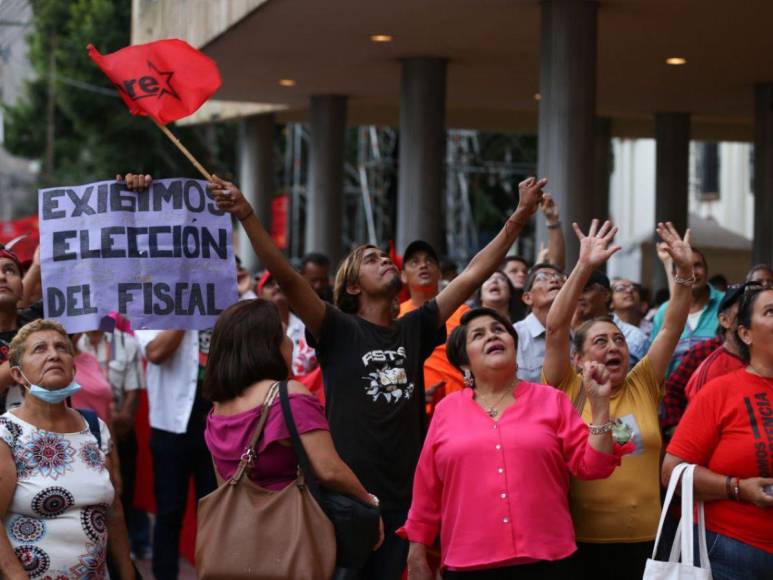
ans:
x=678 y=248
x=595 y=248
x=229 y=198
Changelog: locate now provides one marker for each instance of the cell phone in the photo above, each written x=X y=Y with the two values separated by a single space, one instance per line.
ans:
x=768 y=489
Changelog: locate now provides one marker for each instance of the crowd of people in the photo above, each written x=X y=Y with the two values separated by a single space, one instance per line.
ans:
x=508 y=421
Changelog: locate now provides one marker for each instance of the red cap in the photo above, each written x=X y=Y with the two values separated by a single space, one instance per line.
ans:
x=6 y=253
x=263 y=280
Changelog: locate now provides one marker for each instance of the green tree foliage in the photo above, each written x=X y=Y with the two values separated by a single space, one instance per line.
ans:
x=95 y=135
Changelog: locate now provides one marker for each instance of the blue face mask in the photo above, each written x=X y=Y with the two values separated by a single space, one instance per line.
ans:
x=52 y=397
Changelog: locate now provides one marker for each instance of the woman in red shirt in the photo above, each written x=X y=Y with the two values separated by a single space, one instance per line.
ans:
x=727 y=430
x=493 y=475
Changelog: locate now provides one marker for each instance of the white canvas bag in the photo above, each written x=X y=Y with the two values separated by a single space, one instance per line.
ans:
x=683 y=540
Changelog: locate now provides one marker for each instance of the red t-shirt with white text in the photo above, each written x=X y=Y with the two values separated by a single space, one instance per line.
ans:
x=728 y=427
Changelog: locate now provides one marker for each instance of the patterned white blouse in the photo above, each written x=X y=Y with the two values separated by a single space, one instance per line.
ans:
x=57 y=519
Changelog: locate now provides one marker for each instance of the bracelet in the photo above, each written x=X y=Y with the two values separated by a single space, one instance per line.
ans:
x=600 y=429
x=554 y=226
x=689 y=281
x=241 y=219
x=735 y=489
x=728 y=487
x=374 y=499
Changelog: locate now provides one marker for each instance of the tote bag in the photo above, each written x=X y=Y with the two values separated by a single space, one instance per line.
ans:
x=246 y=531
x=674 y=569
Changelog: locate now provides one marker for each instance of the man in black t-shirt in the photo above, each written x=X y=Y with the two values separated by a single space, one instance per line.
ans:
x=372 y=363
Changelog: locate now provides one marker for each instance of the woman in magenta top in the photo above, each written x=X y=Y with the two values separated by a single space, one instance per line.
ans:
x=249 y=352
x=493 y=476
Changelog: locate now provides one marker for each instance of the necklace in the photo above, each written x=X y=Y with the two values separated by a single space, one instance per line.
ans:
x=492 y=410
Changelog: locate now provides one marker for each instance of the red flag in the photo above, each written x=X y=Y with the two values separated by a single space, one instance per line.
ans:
x=166 y=79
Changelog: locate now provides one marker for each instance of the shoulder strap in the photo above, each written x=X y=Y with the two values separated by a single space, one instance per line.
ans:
x=92 y=420
x=249 y=453
x=303 y=459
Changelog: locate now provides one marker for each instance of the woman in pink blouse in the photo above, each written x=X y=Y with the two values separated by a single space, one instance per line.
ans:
x=493 y=476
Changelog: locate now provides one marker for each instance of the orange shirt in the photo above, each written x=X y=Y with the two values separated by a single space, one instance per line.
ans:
x=436 y=367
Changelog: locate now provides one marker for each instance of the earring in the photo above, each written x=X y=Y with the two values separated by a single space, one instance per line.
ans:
x=469 y=380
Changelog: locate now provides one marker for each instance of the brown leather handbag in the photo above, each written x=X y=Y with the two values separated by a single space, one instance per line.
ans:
x=245 y=531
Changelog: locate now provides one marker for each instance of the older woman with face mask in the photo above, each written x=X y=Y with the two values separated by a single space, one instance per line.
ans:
x=58 y=479
x=616 y=519
x=493 y=476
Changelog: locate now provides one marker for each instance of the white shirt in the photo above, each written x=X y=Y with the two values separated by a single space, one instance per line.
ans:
x=304 y=355
x=172 y=384
x=531 y=348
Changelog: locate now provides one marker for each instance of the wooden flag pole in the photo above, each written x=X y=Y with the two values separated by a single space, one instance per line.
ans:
x=207 y=175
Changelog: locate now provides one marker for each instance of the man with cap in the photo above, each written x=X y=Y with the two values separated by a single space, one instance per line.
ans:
x=11 y=320
x=542 y=286
x=421 y=275
x=595 y=302
x=705 y=361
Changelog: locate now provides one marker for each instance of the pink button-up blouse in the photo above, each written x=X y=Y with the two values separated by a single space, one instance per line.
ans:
x=498 y=490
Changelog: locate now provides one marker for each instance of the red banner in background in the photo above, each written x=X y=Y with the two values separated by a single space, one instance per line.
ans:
x=279 y=221
x=28 y=227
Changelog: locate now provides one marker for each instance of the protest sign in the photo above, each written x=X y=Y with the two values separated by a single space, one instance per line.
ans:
x=163 y=257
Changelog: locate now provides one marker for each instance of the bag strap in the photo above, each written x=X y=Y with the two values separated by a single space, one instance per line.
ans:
x=675 y=475
x=92 y=420
x=687 y=523
x=303 y=459
x=249 y=453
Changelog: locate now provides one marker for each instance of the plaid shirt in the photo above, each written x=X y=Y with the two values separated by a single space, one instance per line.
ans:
x=675 y=400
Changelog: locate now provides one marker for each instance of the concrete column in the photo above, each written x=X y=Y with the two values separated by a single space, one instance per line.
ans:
x=324 y=204
x=422 y=153
x=566 y=113
x=672 y=155
x=602 y=153
x=762 y=247
x=256 y=176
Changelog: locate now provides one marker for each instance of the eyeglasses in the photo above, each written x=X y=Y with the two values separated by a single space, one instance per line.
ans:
x=623 y=287
x=549 y=277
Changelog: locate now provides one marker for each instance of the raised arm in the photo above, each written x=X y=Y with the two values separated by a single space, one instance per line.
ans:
x=32 y=288
x=556 y=245
x=485 y=262
x=302 y=298
x=675 y=316
x=595 y=250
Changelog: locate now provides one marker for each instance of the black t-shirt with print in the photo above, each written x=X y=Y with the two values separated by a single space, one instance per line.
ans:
x=374 y=391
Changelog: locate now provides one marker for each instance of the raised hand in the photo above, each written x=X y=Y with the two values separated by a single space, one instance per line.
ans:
x=595 y=381
x=530 y=195
x=550 y=209
x=229 y=198
x=595 y=248
x=135 y=181
x=663 y=256
x=677 y=248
